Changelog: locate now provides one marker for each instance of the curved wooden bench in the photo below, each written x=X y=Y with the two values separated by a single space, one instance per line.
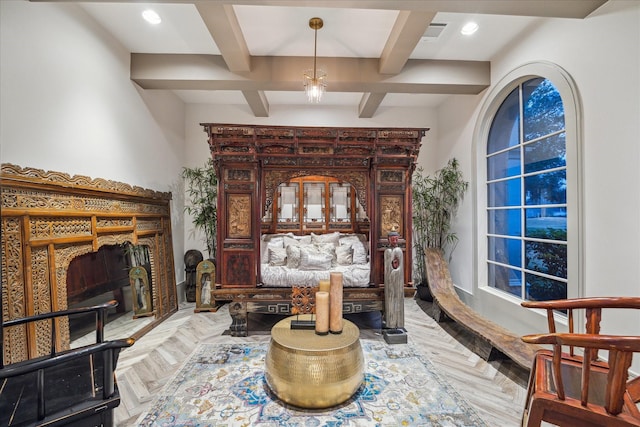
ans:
x=492 y=341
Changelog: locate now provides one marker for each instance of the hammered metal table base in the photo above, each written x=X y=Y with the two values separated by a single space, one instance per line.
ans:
x=311 y=371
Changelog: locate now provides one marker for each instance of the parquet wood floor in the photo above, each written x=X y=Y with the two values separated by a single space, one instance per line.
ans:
x=496 y=389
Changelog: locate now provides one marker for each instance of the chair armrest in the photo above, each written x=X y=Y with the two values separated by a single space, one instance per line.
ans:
x=33 y=365
x=99 y=311
x=578 y=303
x=602 y=342
x=54 y=314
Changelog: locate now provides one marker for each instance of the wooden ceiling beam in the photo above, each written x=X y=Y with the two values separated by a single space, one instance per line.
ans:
x=209 y=72
x=405 y=35
x=369 y=104
x=257 y=101
x=222 y=23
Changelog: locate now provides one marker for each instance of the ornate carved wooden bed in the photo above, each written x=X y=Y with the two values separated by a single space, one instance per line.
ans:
x=268 y=176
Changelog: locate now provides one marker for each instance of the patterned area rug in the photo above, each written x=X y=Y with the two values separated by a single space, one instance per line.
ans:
x=224 y=385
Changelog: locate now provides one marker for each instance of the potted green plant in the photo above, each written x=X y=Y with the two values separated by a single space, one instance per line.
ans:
x=435 y=202
x=201 y=185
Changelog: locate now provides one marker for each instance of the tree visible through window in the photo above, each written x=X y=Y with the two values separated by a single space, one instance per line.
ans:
x=527 y=194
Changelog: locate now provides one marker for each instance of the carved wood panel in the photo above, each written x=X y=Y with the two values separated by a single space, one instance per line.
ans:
x=239 y=268
x=13 y=297
x=391 y=215
x=62 y=217
x=239 y=216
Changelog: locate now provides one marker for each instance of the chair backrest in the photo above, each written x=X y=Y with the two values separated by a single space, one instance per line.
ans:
x=593 y=312
x=620 y=348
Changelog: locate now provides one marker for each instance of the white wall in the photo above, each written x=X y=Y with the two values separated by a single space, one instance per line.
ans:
x=602 y=54
x=300 y=115
x=68 y=105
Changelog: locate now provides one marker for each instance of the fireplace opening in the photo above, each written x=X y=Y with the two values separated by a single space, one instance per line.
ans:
x=106 y=275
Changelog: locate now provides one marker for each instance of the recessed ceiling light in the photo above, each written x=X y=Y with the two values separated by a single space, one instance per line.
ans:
x=469 y=28
x=151 y=17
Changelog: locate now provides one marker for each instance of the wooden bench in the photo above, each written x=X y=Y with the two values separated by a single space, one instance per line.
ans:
x=492 y=341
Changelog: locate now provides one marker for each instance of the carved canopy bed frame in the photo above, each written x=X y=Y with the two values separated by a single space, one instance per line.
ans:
x=252 y=161
x=50 y=218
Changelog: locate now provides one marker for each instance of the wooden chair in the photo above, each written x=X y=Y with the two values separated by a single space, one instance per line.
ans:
x=74 y=388
x=573 y=389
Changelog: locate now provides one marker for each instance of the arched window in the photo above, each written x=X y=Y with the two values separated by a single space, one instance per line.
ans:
x=528 y=228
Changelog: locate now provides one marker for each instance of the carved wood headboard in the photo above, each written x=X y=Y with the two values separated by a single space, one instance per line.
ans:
x=251 y=161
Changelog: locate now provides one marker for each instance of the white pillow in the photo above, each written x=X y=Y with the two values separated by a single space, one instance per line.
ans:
x=268 y=242
x=296 y=240
x=325 y=248
x=360 y=254
x=288 y=241
x=293 y=256
x=359 y=250
x=344 y=255
x=294 y=252
x=333 y=238
x=314 y=261
x=328 y=248
x=277 y=256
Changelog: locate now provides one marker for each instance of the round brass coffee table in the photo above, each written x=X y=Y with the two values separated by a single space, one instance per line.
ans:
x=313 y=371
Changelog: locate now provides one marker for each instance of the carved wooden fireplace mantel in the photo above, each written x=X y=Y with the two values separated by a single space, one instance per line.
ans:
x=48 y=219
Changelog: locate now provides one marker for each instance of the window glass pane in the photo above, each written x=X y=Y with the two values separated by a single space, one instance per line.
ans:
x=546 y=223
x=544 y=289
x=543 y=111
x=504 y=164
x=505 y=251
x=547 y=258
x=340 y=197
x=288 y=202
x=504 y=221
x=546 y=188
x=504 y=193
x=505 y=128
x=546 y=153
x=506 y=279
x=314 y=201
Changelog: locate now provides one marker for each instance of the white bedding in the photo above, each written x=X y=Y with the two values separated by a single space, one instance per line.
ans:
x=289 y=260
x=280 y=276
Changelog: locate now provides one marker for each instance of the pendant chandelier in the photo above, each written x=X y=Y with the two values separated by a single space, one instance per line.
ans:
x=315 y=82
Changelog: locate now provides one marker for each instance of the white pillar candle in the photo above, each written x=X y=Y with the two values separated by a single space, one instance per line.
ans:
x=322 y=313
x=335 y=302
x=323 y=286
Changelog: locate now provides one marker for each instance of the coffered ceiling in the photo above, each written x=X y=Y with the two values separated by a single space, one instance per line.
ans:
x=376 y=53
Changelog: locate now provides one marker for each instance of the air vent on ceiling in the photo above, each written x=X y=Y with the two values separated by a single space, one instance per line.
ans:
x=433 y=32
